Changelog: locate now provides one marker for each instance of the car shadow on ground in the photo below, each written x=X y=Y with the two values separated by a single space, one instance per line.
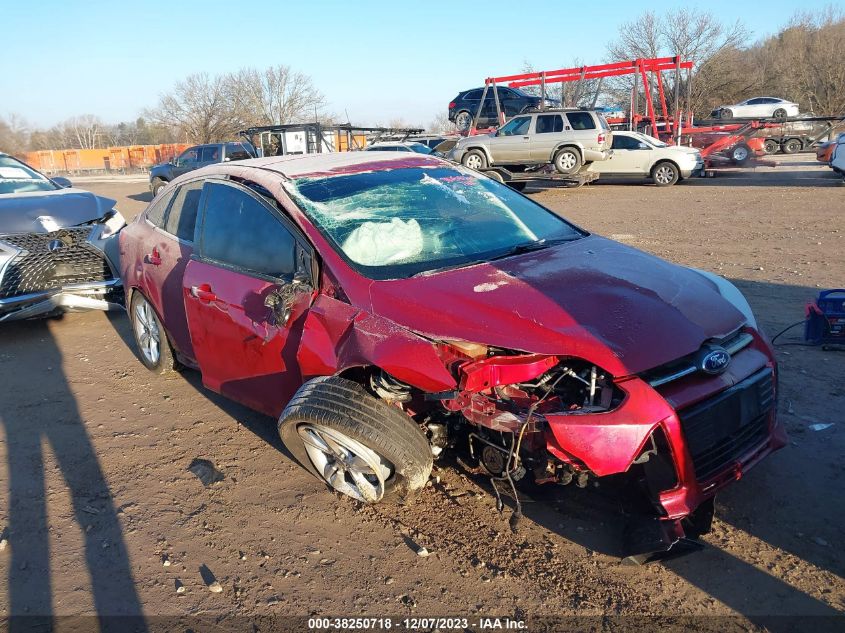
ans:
x=59 y=428
x=145 y=196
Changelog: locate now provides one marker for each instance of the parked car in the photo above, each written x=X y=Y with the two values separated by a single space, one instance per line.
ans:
x=641 y=156
x=399 y=146
x=837 y=158
x=568 y=139
x=758 y=107
x=194 y=158
x=386 y=308
x=512 y=101
x=58 y=248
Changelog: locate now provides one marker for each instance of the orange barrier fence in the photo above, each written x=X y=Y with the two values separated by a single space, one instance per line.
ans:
x=126 y=158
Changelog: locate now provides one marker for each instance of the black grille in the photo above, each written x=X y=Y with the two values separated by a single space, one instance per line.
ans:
x=721 y=429
x=52 y=260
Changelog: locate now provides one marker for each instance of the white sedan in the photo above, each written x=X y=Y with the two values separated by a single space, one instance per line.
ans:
x=640 y=156
x=758 y=107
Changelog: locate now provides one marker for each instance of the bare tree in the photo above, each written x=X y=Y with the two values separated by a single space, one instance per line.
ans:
x=696 y=36
x=14 y=134
x=273 y=96
x=441 y=125
x=199 y=109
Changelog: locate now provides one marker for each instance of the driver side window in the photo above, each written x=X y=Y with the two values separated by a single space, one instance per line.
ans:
x=189 y=156
x=515 y=127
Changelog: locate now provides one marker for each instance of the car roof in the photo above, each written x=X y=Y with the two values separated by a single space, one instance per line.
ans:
x=395 y=143
x=328 y=164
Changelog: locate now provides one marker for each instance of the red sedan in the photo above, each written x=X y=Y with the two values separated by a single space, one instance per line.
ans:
x=387 y=308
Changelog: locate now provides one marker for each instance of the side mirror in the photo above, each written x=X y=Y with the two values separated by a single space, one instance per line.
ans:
x=62 y=182
x=174 y=161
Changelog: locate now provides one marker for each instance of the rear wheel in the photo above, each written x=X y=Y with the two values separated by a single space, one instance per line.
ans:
x=665 y=174
x=771 y=146
x=474 y=159
x=151 y=342
x=357 y=444
x=791 y=146
x=567 y=161
x=463 y=120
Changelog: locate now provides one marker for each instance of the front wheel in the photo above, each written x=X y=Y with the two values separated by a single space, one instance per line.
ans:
x=780 y=113
x=151 y=342
x=665 y=174
x=474 y=159
x=726 y=114
x=567 y=161
x=740 y=154
x=357 y=444
x=158 y=185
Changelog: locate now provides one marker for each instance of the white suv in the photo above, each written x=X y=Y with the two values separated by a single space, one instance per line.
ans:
x=569 y=139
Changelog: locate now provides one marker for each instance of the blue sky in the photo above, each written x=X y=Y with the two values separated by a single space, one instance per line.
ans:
x=377 y=60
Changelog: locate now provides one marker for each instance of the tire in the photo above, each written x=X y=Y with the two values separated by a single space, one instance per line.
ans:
x=771 y=146
x=158 y=185
x=780 y=113
x=337 y=414
x=741 y=153
x=151 y=344
x=665 y=174
x=726 y=113
x=474 y=159
x=791 y=146
x=567 y=161
x=463 y=120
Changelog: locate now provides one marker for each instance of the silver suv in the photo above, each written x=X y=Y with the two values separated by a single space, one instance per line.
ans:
x=569 y=139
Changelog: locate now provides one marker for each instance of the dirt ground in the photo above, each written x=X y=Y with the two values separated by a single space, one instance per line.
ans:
x=100 y=514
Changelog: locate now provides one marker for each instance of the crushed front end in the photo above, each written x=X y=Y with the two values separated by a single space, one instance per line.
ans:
x=60 y=270
x=675 y=434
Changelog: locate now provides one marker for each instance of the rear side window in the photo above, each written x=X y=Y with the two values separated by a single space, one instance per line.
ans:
x=581 y=121
x=183 y=212
x=240 y=231
x=155 y=213
x=210 y=154
x=547 y=123
x=602 y=122
x=237 y=151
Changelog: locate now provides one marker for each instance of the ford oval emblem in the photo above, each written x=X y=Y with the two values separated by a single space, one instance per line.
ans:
x=714 y=360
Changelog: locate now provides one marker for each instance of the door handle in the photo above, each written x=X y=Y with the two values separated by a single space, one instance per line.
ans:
x=153 y=258
x=204 y=293
x=526 y=137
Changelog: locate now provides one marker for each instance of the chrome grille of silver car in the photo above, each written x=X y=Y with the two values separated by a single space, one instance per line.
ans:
x=686 y=366
x=51 y=260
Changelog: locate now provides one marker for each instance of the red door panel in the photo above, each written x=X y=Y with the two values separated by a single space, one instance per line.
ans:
x=163 y=264
x=241 y=350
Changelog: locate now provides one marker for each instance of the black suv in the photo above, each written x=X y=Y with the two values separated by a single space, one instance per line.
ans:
x=512 y=101
x=194 y=158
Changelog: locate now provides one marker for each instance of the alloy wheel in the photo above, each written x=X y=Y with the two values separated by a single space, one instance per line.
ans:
x=473 y=161
x=463 y=120
x=568 y=161
x=740 y=154
x=344 y=463
x=664 y=175
x=147 y=332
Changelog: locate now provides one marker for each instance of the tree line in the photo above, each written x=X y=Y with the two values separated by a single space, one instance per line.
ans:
x=800 y=63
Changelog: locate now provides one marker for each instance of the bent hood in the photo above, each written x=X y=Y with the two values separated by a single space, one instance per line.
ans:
x=44 y=211
x=608 y=303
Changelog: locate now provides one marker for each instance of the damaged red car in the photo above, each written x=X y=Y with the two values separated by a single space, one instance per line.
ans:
x=387 y=309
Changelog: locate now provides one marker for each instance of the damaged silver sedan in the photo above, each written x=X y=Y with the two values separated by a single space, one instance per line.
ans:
x=58 y=251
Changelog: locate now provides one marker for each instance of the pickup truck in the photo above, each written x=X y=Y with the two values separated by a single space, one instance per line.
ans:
x=194 y=158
